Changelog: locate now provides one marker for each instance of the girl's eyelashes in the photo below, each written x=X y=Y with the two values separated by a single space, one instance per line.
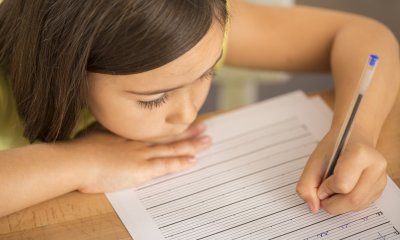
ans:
x=208 y=75
x=163 y=99
x=154 y=103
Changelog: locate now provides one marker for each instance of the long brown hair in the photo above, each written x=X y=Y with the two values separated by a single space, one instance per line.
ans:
x=47 y=47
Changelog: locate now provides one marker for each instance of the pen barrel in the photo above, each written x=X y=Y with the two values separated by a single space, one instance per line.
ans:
x=346 y=128
x=344 y=135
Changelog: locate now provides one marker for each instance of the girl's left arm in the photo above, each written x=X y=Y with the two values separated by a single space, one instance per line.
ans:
x=304 y=39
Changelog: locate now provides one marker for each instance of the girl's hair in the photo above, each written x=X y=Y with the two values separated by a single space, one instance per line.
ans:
x=47 y=47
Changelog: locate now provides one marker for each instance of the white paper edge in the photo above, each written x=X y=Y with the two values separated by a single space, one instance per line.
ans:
x=138 y=228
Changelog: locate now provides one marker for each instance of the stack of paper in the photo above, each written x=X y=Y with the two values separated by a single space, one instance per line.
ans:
x=243 y=187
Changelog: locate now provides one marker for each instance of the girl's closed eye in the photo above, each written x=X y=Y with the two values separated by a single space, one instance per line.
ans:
x=210 y=74
x=154 y=103
x=151 y=104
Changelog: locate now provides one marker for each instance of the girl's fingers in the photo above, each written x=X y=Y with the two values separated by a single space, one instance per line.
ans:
x=347 y=172
x=379 y=187
x=193 y=131
x=186 y=147
x=359 y=178
x=161 y=166
x=310 y=180
x=370 y=184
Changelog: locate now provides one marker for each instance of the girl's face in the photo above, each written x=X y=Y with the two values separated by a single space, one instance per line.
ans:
x=158 y=104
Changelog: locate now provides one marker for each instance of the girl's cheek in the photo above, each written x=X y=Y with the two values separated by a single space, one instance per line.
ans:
x=202 y=93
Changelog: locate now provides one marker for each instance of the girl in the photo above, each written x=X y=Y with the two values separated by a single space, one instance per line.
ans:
x=108 y=91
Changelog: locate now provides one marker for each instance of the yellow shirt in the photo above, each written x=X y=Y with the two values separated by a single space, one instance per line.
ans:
x=11 y=128
x=11 y=131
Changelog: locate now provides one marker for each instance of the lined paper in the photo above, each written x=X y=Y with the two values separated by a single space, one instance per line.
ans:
x=243 y=187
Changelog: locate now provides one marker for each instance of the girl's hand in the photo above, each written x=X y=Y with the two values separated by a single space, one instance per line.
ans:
x=358 y=179
x=114 y=163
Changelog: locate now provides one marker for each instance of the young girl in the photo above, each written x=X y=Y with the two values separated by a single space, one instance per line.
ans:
x=107 y=91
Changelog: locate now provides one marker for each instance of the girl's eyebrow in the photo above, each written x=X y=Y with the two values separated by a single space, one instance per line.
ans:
x=171 y=89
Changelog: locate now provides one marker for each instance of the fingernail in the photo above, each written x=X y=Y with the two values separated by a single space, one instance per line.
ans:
x=205 y=139
x=323 y=195
x=192 y=160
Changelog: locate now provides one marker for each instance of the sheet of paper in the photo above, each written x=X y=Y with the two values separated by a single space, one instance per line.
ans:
x=243 y=187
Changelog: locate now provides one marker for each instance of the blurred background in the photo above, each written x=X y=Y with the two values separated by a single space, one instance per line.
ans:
x=235 y=87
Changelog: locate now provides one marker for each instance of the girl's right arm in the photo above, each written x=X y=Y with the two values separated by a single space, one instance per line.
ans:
x=98 y=162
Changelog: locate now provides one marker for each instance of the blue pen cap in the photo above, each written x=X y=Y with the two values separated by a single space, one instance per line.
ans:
x=373 y=59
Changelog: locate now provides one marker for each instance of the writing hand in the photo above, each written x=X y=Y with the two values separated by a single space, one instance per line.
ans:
x=358 y=179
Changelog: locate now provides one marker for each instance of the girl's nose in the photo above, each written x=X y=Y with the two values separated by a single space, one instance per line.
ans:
x=184 y=112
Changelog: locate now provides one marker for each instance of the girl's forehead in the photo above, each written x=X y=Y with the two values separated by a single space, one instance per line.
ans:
x=183 y=70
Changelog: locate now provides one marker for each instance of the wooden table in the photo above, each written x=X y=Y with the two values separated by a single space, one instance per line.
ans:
x=82 y=216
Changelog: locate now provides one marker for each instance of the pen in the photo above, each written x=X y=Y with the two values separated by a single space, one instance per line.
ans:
x=345 y=131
